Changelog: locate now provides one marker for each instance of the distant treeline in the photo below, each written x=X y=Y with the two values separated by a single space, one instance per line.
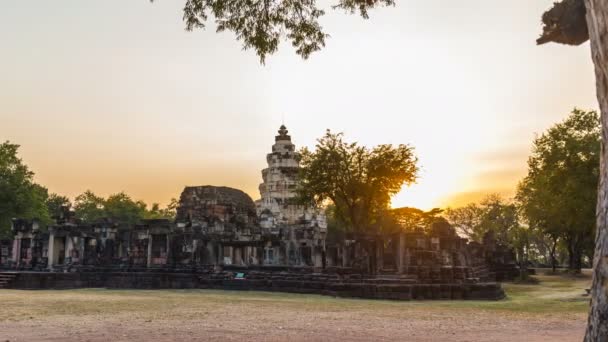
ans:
x=21 y=197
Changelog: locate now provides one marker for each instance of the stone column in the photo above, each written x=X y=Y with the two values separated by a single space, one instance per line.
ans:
x=401 y=247
x=68 y=247
x=149 y=261
x=379 y=255
x=82 y=241
x=51 y=250
x=220 y=254
x=211 y=257
x=17 y=251
x=255 y=255
x=237 y=256
x=168 y=249
x=194 y=250
x=247 y=255
x=231 y=254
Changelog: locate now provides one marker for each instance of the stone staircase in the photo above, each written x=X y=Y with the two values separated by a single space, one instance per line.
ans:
x=382 y=286
x=483 y=273
x=6 y=279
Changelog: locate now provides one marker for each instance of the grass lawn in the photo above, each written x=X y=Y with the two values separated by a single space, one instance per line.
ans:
x=223 y=314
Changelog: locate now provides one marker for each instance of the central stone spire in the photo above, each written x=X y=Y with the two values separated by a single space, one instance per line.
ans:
x=279 y=183
x=278 y=205
x=283 y=134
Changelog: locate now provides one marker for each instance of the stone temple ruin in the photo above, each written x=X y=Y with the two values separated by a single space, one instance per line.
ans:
x=222 y=239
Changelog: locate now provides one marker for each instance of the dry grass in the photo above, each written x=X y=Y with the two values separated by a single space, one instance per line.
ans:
x=555 y=305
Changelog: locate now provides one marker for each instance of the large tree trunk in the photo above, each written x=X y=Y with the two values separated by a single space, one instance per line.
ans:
x=577 y=259
x=575 y=252
x=523 y=263
x=574 y=255
x=597 y=22
x=570 y=250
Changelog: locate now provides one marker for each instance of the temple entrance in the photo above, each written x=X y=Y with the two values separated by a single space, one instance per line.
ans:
x=25 y=249
x=59 y=251
x=139 y=251
x=90 y=251
x=305 y=252
x=182 y=251
x=159 y=249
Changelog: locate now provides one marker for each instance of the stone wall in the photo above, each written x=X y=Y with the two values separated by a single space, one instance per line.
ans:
x=331 y=284
x=203 y=204
x=124 y=280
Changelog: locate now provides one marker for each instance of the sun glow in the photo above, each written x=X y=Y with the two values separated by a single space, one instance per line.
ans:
x=426 y=194
x=414 y=196
x=468 y=100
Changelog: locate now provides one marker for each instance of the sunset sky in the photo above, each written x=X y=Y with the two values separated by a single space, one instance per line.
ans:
x=114 y=95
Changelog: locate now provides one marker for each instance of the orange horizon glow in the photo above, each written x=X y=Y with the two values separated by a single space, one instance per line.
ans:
x=126 y=100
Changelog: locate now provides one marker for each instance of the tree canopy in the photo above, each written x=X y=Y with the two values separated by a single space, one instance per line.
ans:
x=168 y=212
x=357 y=180
x=89 y=207
x=413 y=218
x=558 y=195
x=492 y=214
x=262 y=24
x=120 y=208
x=55 y=204
x=20 y=197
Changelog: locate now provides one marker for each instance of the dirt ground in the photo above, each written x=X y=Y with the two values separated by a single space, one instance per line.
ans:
x=555 y=310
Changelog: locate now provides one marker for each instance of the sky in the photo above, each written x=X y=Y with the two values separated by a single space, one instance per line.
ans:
x=115 y=95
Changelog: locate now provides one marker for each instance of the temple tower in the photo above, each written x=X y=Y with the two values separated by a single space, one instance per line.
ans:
x=277 y=206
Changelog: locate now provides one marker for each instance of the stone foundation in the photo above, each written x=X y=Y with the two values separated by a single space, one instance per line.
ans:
x=264 y=280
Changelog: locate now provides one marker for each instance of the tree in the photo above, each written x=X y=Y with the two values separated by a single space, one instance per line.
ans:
x=547 y=244
x=262 y=24
x=573 y=22
x=414 y=218
x=492 y=214
x=559 y=193
x=497 y=216
x=466 y=220
x=89 y=207
x=121 y=208
x=357 y=180
x=55 y=203
x=20 y=197
x=156 y=212
x=392 y=221
x=519 y=239
x=540 y=211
